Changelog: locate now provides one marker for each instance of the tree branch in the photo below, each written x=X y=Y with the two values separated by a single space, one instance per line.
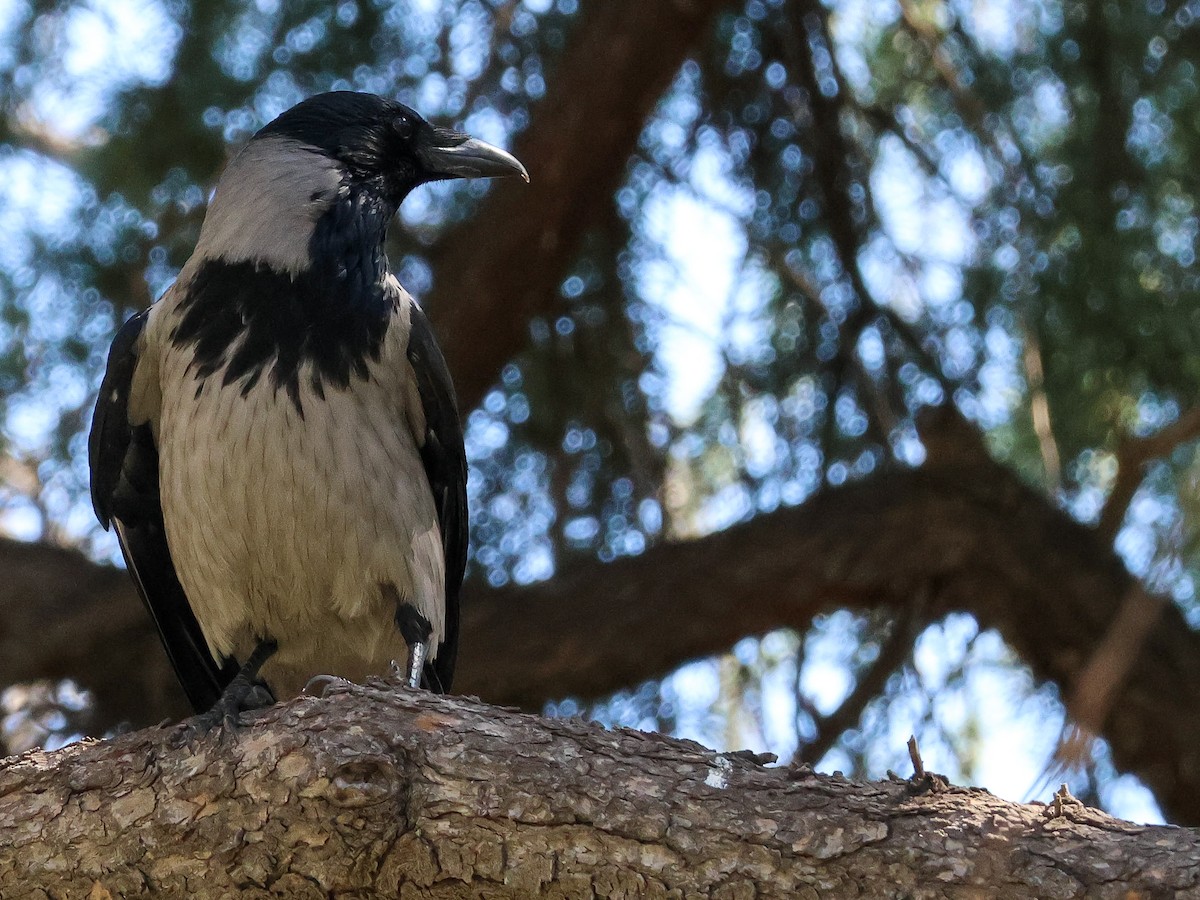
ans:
x=63 y=616
x=1095 y=689
x=496 y=273
x=1039 y=409
x=1132 y=456
x=894 y=651
x=962 y=532
x=375 y=791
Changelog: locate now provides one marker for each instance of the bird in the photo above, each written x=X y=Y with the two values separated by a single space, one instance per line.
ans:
x=276 y=440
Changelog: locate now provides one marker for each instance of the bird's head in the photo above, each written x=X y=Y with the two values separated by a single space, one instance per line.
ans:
x=299 y=169
x=386 y=144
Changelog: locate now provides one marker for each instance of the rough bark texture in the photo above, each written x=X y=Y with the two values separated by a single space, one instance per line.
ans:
x=621 y=60
x=373 y=791
x=950 y=537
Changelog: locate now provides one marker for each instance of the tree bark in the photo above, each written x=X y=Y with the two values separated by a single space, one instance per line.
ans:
x=375 y=791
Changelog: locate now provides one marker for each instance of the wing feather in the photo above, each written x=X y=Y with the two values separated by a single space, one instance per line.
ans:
x=123 y=460
x=445 y=461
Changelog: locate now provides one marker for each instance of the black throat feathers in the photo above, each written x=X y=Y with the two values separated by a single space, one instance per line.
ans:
x=253 y=320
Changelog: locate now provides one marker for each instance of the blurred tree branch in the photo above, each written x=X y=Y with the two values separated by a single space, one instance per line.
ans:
x=895 y=650
x=492 y=278
x=1133 y=454
x=963 y=534
x=375 y=791
x=1039 y=409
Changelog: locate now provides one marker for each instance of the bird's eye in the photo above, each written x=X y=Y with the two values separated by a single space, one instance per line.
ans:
x=403 y=126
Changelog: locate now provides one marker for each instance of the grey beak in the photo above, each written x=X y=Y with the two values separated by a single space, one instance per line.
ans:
x=472 y=158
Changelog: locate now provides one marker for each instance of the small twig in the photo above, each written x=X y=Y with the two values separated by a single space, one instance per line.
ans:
x=914 y=753
x=1057 y=808
x=922 y=781
x=1132 y=456
x=1039 y=408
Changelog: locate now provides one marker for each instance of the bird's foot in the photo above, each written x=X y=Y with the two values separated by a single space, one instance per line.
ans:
x=410 y=674
x=416 y=662
x=321 y=685
x=415 y=629
x=243 y=694
x=239 y=697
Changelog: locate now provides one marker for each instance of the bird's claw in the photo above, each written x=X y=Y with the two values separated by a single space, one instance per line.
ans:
x=245 y=693
x=324 y=684
x=242 y=696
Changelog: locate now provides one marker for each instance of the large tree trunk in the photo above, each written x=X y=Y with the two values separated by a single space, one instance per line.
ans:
x=376 y=791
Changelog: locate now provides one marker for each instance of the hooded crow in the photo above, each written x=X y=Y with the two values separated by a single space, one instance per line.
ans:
x=276 y=439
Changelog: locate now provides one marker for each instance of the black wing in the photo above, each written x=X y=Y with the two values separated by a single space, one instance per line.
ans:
x=445 y=461
x=124 y=467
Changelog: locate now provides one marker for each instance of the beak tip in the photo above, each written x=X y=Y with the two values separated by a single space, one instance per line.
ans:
x=516 y=167
x=473 y=158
